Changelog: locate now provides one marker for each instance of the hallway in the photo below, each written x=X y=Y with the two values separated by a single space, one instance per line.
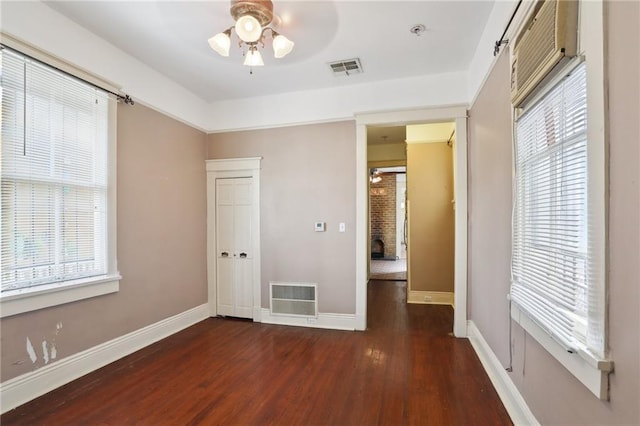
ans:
x=393 y=270
x=405 y=369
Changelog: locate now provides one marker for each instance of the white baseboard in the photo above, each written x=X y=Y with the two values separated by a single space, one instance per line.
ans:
x=324 y=320
x=513 y=401
x=24 y=388
x=430 y=297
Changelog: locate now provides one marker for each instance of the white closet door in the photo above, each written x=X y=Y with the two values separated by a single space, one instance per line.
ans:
x=233 y=247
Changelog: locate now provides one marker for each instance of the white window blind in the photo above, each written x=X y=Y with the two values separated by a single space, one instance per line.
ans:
x=552 y=256
x=54 y=176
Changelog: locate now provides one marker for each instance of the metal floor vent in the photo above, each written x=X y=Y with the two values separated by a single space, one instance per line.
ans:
x=346 y=67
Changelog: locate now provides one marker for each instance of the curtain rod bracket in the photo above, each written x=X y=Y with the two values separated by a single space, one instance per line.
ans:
x=496 y=47
x=126 y=99
x=499 y=43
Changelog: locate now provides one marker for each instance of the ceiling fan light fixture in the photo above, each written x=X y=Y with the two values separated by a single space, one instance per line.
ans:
x=221 y=43
x=282 y=46
x=248 y=29
x=252 y=19
x=253 y=58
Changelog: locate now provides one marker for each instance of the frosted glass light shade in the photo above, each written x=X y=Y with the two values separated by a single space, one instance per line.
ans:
x=248 y=29
x=221 y=43
x=253 y=59
x=282 y=46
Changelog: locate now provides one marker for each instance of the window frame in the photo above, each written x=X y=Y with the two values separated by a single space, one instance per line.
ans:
x=23 y=300
x=591 y=370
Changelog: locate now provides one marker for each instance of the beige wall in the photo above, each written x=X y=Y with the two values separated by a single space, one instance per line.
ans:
x=161 y=245
x=386 y=152
x=308 y=175
x=489 y=208
x=431 y=216
x=552 y=393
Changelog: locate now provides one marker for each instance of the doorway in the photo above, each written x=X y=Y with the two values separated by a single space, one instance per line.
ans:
x=387 y=223
x=457 y=115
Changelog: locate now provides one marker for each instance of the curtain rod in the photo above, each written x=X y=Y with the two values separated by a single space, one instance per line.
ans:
x=496 y=47
x=124 y=98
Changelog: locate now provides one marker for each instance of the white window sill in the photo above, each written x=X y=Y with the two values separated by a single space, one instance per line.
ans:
x=591 y=371
x=31 y=299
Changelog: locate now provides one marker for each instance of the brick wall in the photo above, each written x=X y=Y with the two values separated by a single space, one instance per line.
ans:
x=383 y=213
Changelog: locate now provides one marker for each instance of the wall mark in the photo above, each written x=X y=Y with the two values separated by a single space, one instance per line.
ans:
x=32 y=353
x=45 y=352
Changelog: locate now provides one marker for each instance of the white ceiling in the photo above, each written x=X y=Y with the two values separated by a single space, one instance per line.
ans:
x=171 y=37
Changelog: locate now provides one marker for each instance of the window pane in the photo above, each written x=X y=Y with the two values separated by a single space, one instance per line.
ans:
x=550 y=258
x=54 y=179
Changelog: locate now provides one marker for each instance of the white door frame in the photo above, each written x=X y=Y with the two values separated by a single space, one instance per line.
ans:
x=401 y=181
x=457 y=114
x=233 y=168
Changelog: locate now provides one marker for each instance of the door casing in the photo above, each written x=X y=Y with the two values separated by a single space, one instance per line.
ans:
x=223 y=169
x=458 y=115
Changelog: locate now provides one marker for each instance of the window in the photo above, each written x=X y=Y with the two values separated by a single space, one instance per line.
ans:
x=57 y=150
x=557 y=257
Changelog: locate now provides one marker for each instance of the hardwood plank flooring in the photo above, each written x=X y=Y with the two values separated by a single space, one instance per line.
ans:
x=405 y=369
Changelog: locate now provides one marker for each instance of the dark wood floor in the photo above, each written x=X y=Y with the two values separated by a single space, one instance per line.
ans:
x=405 y=369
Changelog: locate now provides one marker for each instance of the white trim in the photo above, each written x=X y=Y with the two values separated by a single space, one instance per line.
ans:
x=24 y=388
x=399 y=118
x=233 y=168
x=233 y=164
x=430 y=297
x=362 y=223
x=460 y=187
x=513 y=401
x=31 y=299
x=592 y=372
x=324 y=320
x=592 y=45
x=412 y=116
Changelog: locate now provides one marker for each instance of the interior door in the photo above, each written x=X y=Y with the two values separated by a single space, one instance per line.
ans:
x=233 y=247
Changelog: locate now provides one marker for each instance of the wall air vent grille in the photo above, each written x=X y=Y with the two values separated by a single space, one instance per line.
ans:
x=346 y=67
x=293 y=299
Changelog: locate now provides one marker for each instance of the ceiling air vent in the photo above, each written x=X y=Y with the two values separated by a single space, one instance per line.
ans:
x=346 y=67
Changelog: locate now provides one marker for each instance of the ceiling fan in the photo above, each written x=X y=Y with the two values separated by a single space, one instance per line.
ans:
x=252 y=19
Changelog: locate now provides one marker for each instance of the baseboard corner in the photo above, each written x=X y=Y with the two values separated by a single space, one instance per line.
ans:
x=509 y=394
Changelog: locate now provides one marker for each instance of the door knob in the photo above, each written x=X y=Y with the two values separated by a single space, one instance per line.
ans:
x=224 y=254
x=243 y=255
